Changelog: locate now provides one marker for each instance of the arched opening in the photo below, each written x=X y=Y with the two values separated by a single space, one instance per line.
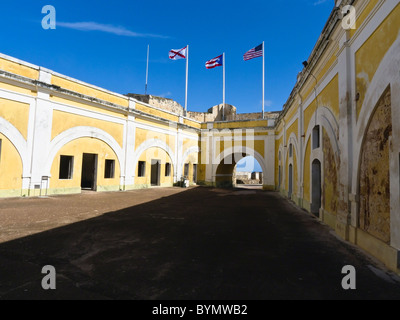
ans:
x=85 y=164
x=290 y=191
x=374 y=181
x=250 y=171
x=316 y=201
x=154 y=168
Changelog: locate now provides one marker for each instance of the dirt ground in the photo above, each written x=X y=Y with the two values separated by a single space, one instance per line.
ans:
x=178 y=244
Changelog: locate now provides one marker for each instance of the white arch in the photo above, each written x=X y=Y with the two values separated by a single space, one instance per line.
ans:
x=18 y=141
x=387 y=74
x=325 y=118
x=154 y=143
x=239 y=150
x=83 y=132
x=293 y=140
x=187 y=153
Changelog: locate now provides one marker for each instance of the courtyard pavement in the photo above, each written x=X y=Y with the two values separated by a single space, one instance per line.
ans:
x=178 y=244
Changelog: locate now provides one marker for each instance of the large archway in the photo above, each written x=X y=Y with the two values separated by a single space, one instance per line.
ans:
x=226 y=162
x=248 y=172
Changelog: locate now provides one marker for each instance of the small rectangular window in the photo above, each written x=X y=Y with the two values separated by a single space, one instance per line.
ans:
x=167 y=169
x=316 y=137
x=186 y=172
x=66 y=167
x=142 y=169
x=109 y=171
x=291 y=151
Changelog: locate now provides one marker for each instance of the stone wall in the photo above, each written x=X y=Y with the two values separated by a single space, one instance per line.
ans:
x=213 y=114
x=375 y=173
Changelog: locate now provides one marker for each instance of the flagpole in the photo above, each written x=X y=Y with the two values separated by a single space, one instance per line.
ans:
x=223 y=90
x=263 y=82
x=187 y=78
x=147 y=69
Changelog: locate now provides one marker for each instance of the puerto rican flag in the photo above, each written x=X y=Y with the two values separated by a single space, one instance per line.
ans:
x=216 y=62
x=177 y=54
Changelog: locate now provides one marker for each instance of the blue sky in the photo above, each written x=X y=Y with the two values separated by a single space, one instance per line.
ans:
x=248 y=164
x=105 y=43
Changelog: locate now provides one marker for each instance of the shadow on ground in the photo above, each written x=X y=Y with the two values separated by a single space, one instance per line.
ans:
x=198 y=244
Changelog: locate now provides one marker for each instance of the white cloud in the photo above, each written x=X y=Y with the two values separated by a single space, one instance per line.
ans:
x=268 y=103
x=108 y=28
x=317 y=3
x=164 y=95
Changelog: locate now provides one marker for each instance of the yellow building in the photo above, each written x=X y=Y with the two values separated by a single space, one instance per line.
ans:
x=334 y=149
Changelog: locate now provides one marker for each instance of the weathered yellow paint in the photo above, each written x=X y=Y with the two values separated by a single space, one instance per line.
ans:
x=76 y=149
x=63 y=121
x=115 y=113
x=294 y=128
x=143 y=135
x=154 y=154
x=329 y=63
x=188 y=143
x=16 y=113
x=309 y=87
x=370 y=55
x=192 y=123
x=192 y=159
x=293 y=111
x=364 y=14
x=19 y=69
x=10 y=167
x=14 y=88
x=330 y=182
x=241 y=124
x=308 y=113
x=256 y=145
x=171 y=126
x=157 y=113
x=307 y=172
x=329 y=97
x=89 y=91
x=387 y=254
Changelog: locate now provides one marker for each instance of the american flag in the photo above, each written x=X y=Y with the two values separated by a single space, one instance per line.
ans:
x=216 y=62
x=254 y=53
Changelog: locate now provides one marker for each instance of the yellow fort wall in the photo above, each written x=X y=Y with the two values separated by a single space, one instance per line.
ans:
x=147 y=156
x=143 y=135
x=19 y=69
x=76 y=149
x=16 y=113
x=85 y=106
x=70 y=84
x=370 y=55
x=63 y=121
x=10 y=169
x=18 y=89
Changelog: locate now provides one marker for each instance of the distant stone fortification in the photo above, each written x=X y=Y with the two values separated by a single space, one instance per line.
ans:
x=213 y=114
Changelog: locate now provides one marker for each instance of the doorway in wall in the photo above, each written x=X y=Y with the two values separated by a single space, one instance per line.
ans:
x=290 y=191
x=316 y=201
x=194 y=173
x=155 y=172
x=89 y=172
